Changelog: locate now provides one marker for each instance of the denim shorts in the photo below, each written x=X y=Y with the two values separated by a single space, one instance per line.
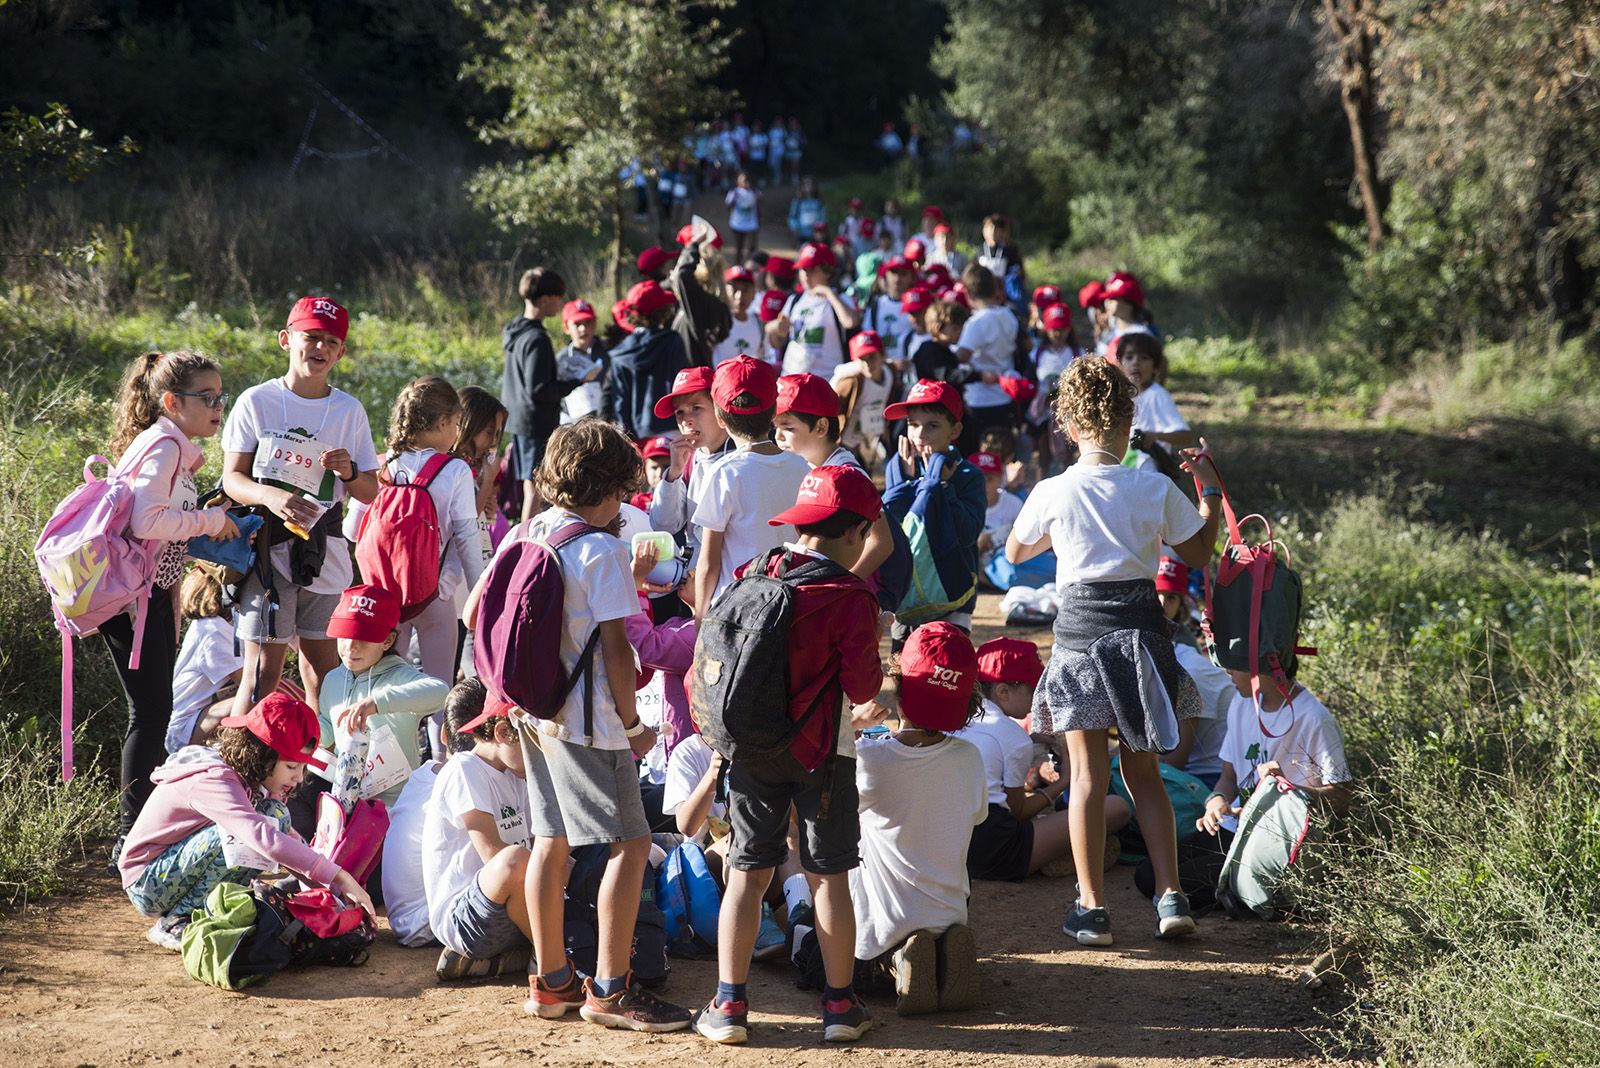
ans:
x=478 y=927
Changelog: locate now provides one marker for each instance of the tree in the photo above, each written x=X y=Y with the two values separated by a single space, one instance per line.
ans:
x=1356 y=28
x=589 y=87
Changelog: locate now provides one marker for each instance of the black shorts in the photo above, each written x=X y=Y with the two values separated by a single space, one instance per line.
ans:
x=759 y=795
x=523 y=459
x=1002 y=847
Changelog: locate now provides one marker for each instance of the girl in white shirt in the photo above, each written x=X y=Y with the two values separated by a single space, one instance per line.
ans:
x=1143 y=359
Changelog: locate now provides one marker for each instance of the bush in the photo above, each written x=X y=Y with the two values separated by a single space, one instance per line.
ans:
x=49 y=824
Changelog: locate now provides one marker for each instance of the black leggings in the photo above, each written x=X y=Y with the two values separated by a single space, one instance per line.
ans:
x=1200 y=858
x=149 y=691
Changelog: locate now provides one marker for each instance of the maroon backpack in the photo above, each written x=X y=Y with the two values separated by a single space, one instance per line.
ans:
x=398 y=545
x=517 y=643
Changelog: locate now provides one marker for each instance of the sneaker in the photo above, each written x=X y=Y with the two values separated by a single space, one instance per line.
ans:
x=167 y=932
x=728 y=1023
x=455 y=966
x=914 y=966
x=845 y=1021
x=112 y=864
x=552 y=1002
x=958 y=969
x=1173 y=919
x=1091 y=927
x=633 y=1007
x=770 y=940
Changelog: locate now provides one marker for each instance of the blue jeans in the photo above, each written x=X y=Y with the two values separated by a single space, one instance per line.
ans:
x=177 y=882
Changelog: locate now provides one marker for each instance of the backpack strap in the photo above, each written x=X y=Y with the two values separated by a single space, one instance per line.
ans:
x=572 y=532
x=430 y=470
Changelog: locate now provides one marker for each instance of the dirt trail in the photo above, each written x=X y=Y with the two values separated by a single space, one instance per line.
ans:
x=80 y=985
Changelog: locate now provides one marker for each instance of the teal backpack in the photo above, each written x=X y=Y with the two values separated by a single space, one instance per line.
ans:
x=1187 y=793
x=1272 y=829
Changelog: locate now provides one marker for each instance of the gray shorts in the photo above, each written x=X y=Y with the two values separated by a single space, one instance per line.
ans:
x=300 y=612
x=478 y=927
x=587 y=796
x=760 y=793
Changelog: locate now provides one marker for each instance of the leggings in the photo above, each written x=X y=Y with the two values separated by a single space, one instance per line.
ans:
x=178 y=881
x=149 y=692
x=435 y=643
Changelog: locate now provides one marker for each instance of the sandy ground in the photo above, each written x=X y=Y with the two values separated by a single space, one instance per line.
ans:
x=79 y=985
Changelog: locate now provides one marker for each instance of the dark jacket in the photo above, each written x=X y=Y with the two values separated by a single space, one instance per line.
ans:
x=529 y=387
x=643 y=366
x=568 y=356
x=967 y=505
x=702 y=320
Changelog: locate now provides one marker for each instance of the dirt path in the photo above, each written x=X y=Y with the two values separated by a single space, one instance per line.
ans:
x=80 y=985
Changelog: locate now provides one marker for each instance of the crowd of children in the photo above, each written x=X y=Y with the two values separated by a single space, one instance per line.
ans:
x=692 y=486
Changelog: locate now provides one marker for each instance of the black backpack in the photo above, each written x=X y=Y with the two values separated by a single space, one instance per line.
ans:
x=740 y=690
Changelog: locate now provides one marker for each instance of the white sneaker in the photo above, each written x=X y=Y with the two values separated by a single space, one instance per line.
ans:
x=167 y=932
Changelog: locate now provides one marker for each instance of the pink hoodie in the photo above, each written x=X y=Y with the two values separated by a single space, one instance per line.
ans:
x=668 y=648
x=163 y=486
x=195 y=789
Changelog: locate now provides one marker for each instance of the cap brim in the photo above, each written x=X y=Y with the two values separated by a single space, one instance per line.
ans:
x=587 y=317
x=896 y=410
x=355 y=631
x=802 y=515
x=304 y=758
x=234 y=721
x=665 y=406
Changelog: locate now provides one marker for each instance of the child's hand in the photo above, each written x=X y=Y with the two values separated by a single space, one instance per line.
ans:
x=290 y=506
x=1268 y=770
x=908 y=456
x=1199 y=464
x=682 y=449
x=230 y=529
x=354 y=717
x=985 y=542
x=345 y=885
x=645 y=556
x=1216 y=809
x=868 y=714
x=339 y=462
x=642 y=743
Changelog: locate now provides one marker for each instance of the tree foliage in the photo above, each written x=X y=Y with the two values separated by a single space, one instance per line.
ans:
x=51 y=145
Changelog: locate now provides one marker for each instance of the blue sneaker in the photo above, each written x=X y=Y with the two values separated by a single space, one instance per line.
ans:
x=770 y=940
x=1091 y=927
x=845 y=1021
x=728 y=1023
x=1173 y=919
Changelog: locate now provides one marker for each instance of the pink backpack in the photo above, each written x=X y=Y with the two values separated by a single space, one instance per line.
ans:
x=352 y=840
x=93 y=568
x=398 y=544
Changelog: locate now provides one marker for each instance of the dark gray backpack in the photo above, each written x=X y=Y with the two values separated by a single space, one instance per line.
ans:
x=739 y=689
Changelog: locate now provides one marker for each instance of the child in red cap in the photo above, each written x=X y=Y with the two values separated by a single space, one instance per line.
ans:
x=832 y=511
x=702 y=443
x=921 y=790
x=296 y=447
x=864 y=385
x=371 y=704
x=217 y=814
x=1125 y=312
x=812 y=330
x=745 y=330
x=582 y=365
x=645 y=362
x=748 y=488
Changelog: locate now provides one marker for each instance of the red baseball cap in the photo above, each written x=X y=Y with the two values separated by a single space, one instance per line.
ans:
x=943 y=228
x=928 y=391
x=937 y=276
x=896 y=263
x=1092 y=295
x=319 y=313
x=856 y=202
x=915 y=250
x=772 y=302
x=1046 y=295
x=916 y=299
x=780 y=266
x=686 y=235
x=938 y=669
x=652 y=260
x=650 y=296
x=744 y=374
x=1056 y=317
x=619 y=315
x=689 y=380
x=493 y=705
x=807 y=394
x=1125 y=287
x=956 y=295
x=1010 y=660
x=987 y=462
x=737 y=273
x=933 y=211
x=286 y=724
x=1019 y=389
x=829 y=489
x=1172 y=576
x=365 y=613
x=577 y=311
x=865 y=343
x=655 y=448
x=815 y=255
x=868 y=228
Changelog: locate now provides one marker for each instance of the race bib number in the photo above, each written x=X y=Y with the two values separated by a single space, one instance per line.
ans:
x=387 y=766
x=292 y=459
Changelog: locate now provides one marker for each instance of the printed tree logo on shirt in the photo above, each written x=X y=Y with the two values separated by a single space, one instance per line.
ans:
x=1253 y=754
x=508 y=812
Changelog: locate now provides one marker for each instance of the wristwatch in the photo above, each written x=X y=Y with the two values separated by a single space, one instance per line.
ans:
x=1211 y=491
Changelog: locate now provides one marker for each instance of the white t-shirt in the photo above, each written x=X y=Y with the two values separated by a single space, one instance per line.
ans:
x=991 y=335
x=573 y=365
x=688 y=764
x=744 y=336
x=650 y=701
x=1052 y=363
x=742 y=219
x=866 y=421
x=816 y=336
x=843 y=457
x=883 y=314
x=271 y=412
x=997 y=522
x=1006 y=748
x=465 y=784
x=741 y=494
x=918 y=808
x=1107 y=522
x=405 y=893
x=205 y=660
x=1309 y=747
x=1216 y=695
x=455 y=502
x=673 y=502
x=598 y=574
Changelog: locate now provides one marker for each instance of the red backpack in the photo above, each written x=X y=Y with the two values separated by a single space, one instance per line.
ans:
x=517 y=642
x=398 y=545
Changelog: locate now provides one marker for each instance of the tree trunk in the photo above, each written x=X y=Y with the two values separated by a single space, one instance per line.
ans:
x=1355 y=25
x=617 y=234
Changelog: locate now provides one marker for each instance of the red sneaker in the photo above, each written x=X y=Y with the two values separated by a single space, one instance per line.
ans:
x=552 y=1003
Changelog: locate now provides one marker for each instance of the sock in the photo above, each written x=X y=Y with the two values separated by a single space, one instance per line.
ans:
x=727 y=992
x=831 y=994
x=559 y=978
x=610 y=987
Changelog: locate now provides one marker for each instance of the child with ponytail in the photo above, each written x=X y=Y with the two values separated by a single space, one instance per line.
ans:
x=167 y=400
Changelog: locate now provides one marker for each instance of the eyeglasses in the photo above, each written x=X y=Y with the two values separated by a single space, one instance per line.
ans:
x=207 y=397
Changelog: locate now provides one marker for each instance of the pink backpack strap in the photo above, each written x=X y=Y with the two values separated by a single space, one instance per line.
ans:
x=66 y=707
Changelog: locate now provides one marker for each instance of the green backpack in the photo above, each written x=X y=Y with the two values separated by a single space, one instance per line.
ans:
x=219 y=947
x=1272 y=828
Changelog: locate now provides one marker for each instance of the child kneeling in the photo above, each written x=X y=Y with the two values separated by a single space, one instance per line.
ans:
x=218 y=815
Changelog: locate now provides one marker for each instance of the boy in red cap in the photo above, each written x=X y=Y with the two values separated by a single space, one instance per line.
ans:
x=644 y=363
x=914 y=305
x=370 y=705
x=1001 y=508
x=582 y=365
x=850 y=227
x=745 y=331
x=864 y=385
x=296 y=447
x=747 y=488
x=700 y=446
x=1056 y=348
x=832 y=511
x=944 y=252
x=1125 y=311
x=921 y=791
x=217 y=814
x=811 y=333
